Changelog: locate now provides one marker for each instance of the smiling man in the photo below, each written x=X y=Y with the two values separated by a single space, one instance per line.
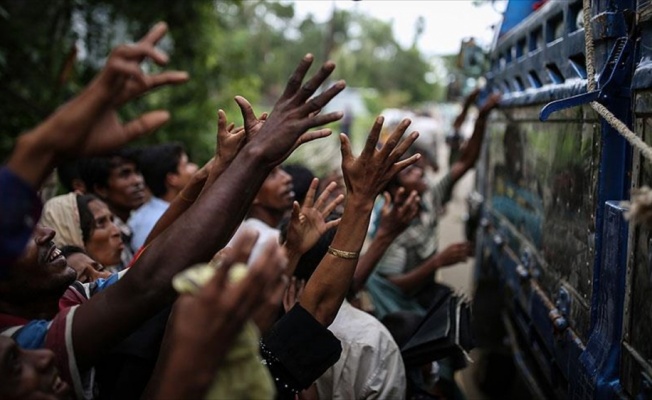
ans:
x=29 y=373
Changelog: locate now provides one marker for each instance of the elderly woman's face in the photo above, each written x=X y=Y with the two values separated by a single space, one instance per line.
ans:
x=105 y=243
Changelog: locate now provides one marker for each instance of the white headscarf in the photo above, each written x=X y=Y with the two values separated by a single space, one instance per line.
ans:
x=61 y=214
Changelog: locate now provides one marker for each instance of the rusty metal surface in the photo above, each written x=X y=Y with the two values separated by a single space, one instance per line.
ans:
x=544 y=178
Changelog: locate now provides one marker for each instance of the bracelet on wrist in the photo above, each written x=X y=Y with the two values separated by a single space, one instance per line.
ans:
x=347 y=255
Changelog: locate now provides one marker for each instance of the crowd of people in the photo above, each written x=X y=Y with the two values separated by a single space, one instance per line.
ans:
x=153 y=277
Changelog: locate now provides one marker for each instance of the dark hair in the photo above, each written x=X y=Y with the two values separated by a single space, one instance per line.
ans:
x=70 y=250
x=95 y=171
x=156 y=162
x=86 y=219
x=66 y=173
x=310 y=260
x=302 y=176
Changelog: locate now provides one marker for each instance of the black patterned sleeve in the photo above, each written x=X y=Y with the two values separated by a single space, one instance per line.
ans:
x=298 y=350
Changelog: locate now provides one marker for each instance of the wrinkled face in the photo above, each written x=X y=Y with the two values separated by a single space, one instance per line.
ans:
x=185 y=171
x=413 y=178
x=276 y=193
x=41 y=271
x=29 y=374
x=125 y=187
x=105 y=243
x=87 y=269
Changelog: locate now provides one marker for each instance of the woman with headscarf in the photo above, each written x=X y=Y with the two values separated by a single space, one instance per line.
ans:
x=85 y=221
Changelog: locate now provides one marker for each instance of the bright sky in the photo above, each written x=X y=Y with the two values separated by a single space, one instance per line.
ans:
x=447 y=21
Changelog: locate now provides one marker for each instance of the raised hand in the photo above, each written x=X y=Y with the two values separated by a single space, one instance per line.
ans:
x=89 y=124
x=293 y=115
x=492 y=102
x=120 y=81
x=367 y=175
x=308 y=222
x=398 y=213
x=221 y=307
x=229 y=139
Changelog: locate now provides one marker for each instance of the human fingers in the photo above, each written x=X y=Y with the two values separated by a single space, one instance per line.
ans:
x=321 y=119
x=325 y=194
x=295 y=80
x=318 y=102
x=142 y=125
x=295 y=217
x=332 y=205
x=138 y=51
x=118 y=71
x=400 y=197
x=400 y=165
x=345 y=149
x=247 y=111
x=310 y=136
x=166 y=78
x=394 y=140
x=411 y=205
x=311 y=86
x=387 y=204
x=155 y=33
x=309 y=200
x=332 y=224
x=372 y=138
x=221 y=123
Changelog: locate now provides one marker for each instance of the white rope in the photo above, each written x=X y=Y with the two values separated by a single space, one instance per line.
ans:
x=588 y=45
x=632 y=138
x=611 y=119
x=640 y=205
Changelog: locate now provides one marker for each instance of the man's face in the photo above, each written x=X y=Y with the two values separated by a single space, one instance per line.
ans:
x=276 y=193
x=41 y=271
x=87 y=269
x=413 y=177
x=125 y=188
x=29 y=374
x=185 y=171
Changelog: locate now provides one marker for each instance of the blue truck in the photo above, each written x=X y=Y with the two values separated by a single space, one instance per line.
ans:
x=564 y=281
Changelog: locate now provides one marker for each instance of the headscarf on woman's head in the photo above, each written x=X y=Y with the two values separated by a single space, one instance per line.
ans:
x=61 y=214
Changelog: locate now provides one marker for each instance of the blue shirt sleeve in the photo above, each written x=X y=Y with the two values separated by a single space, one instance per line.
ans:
x=20 y=210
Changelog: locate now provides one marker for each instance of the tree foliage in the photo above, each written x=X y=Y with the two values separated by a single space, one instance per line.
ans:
x=50 y=50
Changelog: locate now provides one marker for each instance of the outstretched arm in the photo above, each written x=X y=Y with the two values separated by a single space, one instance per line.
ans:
x=190 y=356
x=89 y=124
x=471 y=151
x=415 y=278
x=210 y=222
x=365 y=176
x=459 y=120
x=396 y=215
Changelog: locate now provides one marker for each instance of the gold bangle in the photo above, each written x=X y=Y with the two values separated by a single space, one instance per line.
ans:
x=347 y=255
